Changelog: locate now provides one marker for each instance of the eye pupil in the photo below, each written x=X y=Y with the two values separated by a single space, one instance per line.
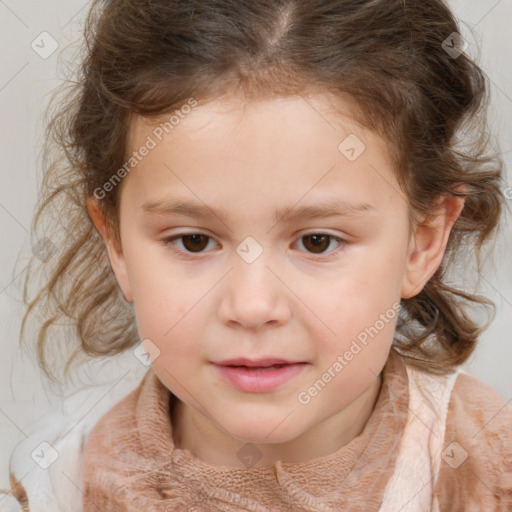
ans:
x=318 y=243
x=198 y=242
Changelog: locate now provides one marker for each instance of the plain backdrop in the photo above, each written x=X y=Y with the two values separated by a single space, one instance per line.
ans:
x=28 y=73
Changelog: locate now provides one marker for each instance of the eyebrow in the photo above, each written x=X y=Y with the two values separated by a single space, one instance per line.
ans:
x=332 y=207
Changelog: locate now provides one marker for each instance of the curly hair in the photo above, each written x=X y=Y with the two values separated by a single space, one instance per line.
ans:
x=148 y=57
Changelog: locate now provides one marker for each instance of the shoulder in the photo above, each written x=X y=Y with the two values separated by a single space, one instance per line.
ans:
x=119 y=420
x=476 y=466
x=46 y=468
x=479 y=415
x=477 y=408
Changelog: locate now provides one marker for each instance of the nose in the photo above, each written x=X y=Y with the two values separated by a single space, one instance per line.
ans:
x=254 y=295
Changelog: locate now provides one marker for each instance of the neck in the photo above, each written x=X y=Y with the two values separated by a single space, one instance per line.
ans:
x=203 y=438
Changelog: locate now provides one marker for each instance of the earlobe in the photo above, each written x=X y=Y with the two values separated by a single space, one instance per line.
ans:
x=428 y=244
x=115 y=254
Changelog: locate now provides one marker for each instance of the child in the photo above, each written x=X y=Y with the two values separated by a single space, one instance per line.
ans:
x=328 y=160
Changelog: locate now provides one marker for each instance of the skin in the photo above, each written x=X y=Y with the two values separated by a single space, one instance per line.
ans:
x=251 y=158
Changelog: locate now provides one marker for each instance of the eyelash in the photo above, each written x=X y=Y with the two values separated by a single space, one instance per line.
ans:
x=169 y=244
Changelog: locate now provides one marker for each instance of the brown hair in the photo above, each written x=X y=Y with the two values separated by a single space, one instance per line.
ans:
x=150 y=57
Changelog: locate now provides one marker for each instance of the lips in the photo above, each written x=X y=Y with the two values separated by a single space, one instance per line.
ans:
x=258 y=376
x=267 y=362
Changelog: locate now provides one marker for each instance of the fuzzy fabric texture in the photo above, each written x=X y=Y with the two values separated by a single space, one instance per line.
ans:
x=432 y=443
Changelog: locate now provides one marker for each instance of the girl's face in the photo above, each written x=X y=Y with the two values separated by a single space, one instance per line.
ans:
x=268 y=230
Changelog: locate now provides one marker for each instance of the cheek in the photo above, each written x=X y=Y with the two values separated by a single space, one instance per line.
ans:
x=360 y=348
x=166 y=318
x=364 y=329
x=177 y=337
x=169 y=311
x=159 y=292
x=360 y=312
x=377 y=273
x=360 y=295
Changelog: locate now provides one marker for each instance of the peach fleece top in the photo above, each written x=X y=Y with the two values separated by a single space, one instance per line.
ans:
x=432 y=443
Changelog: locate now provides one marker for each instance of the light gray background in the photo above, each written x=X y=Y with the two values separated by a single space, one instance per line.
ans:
x=26 y=79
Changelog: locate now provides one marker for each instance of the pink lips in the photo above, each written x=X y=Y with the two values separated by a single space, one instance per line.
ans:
x=242 y=361
x=259 y=376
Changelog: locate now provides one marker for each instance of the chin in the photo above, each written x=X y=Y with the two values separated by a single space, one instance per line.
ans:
x=254 y=433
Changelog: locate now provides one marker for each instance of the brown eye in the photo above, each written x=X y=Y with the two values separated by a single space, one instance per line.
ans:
x=317 y=244
x=194 y=243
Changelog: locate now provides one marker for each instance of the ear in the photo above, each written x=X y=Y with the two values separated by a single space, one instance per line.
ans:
x=428 y=244
x=115 y=254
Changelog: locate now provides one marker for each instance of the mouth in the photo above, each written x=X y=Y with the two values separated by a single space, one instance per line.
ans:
x=259 y=368
x=266 y=363
x=261 y=376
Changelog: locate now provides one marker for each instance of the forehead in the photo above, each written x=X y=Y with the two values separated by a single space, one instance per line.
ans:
x=285 y=148
x=325 y=114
